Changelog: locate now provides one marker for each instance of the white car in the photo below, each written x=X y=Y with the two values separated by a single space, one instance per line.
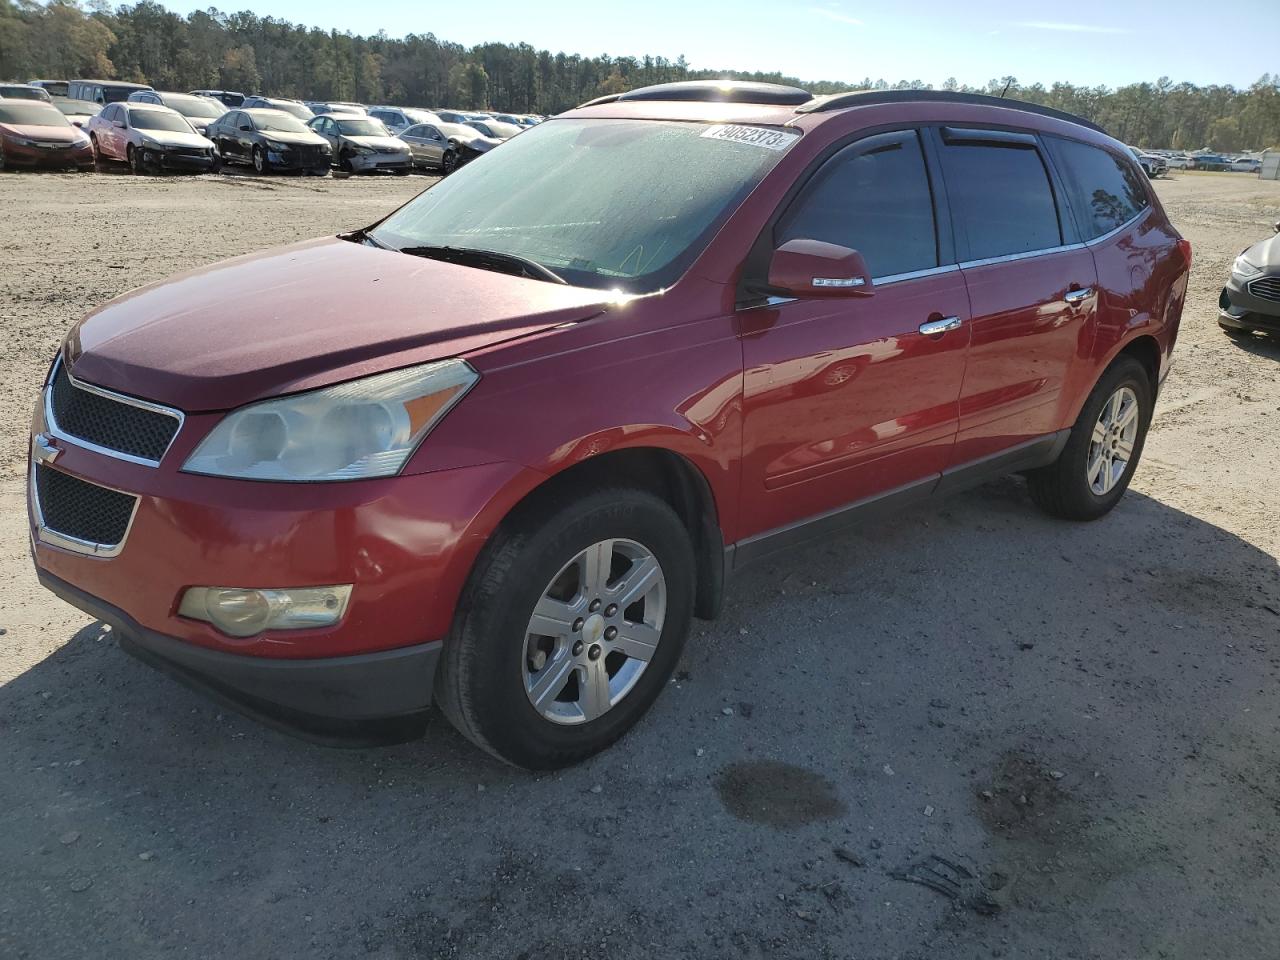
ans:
x=149 y=138
x=1180 y=162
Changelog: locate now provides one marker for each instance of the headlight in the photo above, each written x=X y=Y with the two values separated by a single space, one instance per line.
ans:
x=1243 y=269
x=149 y=144
x=247 y=612
x=273 y=145
x=358 y=148
x=364 y=428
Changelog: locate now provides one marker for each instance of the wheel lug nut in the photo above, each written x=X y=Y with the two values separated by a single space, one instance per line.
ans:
x=611 y=610
x=594 y=652
x=595 y=605
x=611 y=633
x=577 y=649
x=577 y=624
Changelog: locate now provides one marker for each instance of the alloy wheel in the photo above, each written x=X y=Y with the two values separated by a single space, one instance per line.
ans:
x=594 y=631
x=1112 y=443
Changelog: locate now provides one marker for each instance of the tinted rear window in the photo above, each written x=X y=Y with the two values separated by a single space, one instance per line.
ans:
x=1106 y=192
x=1001 y=200
x=872 y=197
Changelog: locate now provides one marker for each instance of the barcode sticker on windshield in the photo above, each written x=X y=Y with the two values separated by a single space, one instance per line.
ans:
x=752 y=136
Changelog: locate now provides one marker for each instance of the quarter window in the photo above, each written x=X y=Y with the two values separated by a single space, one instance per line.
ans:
x=872 y=197
x=1106 y=192
x=1001 y=200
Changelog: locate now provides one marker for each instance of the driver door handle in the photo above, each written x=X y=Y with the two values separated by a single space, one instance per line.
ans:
x=1078 y=296
x=934 y=327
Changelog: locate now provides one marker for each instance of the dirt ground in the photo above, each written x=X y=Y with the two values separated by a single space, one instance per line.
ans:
x=966 y=731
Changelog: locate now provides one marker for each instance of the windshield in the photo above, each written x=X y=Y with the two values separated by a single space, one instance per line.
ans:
x=23 y=93
x=594 y=200
x=56 y=88
x=30 y=113
x=77 y=108
x=361 y=127
x=279 y=123
x=200 y=107
x=301 y=111
x=157 y=120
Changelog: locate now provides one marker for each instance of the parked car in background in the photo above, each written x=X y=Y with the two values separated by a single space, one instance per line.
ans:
x=36 y=134
x=361 y=144
x=295 y=108
x=445 y=146
x=1246 y=164
x=319 y=107
x=400 y=119
x=199 y=111
x=1152 y=164
x=228 y=98
x=510 y=118
x=1180 y=161
x=1213 y=162
x=55 y=88
x=150 y=139
x=102 y=91
x=23 y=91
x=458 y=116
x=500 y=447
x=77 y=111
x=1251 y=299
x=495 y=130
x=269 y=140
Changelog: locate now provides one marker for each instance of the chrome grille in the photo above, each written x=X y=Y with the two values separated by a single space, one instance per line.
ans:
x=110 y=422
x=92 y=517
x=1268 y=288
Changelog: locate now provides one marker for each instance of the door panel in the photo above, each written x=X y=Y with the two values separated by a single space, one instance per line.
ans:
x=1026 y=338
x=845 y=399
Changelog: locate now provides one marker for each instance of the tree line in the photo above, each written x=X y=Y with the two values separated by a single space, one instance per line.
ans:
x=144 y=42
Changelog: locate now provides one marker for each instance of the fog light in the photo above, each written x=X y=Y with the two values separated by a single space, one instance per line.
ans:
x=240 y=612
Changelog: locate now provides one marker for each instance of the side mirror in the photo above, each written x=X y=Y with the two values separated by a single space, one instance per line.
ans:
x=118 y=123
x=246 y=127
x=812 y=268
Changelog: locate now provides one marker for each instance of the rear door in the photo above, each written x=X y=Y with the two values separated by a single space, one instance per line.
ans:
x=845 y=399
x=1032 y=287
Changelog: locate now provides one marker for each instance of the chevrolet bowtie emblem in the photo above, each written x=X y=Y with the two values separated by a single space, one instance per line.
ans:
x=42 y=448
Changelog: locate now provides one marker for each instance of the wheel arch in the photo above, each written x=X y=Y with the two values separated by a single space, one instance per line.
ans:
x=672 y=477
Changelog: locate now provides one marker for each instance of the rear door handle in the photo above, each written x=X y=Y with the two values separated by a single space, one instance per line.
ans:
x=934 y=327
x=1078 y=296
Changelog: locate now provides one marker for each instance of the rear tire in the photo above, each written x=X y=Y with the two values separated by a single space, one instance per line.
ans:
x=492 y=662
x=1066 y=488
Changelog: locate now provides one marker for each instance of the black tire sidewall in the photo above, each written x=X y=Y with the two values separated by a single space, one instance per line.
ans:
x=508 y=583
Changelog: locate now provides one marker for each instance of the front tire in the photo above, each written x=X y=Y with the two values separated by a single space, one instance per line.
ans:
x=449 y=162
x=570 y=626
x=134 y=157
x=260 y=162
x=1095 y=467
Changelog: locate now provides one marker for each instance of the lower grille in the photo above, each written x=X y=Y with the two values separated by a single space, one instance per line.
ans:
x=71 y=507
x=1268 y=288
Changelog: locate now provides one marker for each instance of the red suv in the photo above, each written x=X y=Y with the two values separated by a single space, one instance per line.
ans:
x=497 y=449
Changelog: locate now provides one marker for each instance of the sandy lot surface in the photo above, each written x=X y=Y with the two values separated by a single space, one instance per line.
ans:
x=967 y=731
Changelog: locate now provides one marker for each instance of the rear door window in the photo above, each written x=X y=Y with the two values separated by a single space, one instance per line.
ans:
x=874 y=197
x=1001 y=199
x=1106 y=191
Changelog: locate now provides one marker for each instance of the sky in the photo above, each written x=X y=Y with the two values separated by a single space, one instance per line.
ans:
x=1086 y=42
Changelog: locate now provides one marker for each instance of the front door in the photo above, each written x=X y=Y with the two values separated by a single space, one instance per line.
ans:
x=846 y=399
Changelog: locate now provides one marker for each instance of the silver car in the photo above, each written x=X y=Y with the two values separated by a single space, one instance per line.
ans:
x=361 y=144
x=445 y=146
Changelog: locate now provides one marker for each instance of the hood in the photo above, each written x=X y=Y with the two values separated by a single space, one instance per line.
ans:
x=67 y=135
x=308 y=138
x=1265 y=253
x=171 y=138
x=479 y=143
x=305 y=316
x=378 y=143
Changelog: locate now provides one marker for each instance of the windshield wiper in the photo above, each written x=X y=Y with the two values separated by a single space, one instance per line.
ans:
x=363 y=235
x=488 y=260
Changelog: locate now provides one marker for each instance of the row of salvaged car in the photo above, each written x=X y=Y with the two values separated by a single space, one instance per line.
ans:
x=1158 y=162
x=156 y=131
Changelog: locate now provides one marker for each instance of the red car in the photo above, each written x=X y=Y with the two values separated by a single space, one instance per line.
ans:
x=35 y=134
x=497 y=449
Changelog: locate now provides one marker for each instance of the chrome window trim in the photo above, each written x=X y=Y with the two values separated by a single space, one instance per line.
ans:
x=44 y=534
x=914 y=274
x=51 y=424
x=1025 y=255
x=1120 y=229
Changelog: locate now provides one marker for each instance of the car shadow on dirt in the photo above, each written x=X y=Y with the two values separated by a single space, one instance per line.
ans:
x=965 y=728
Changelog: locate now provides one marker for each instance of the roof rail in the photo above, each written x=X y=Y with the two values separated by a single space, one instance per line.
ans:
x=866 y=98
x=714 y=91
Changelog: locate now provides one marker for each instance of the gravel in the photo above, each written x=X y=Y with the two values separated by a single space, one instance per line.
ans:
x=1137 y=654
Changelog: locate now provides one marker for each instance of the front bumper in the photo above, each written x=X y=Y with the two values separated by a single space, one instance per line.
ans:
x=1238 y=309
x=317 y=163
x=169 y=162
x=370 y=163
x=53 y=158
x=358 y=700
